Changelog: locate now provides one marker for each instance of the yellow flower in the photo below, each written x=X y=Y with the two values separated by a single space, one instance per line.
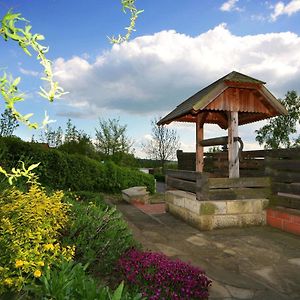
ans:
x=19 y=263
x=49 y=247
x=41 y=263
x=37 y=273
x=8 y=281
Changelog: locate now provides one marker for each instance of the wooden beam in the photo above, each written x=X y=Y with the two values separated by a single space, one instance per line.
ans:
x=200 y=119
x=233 y=147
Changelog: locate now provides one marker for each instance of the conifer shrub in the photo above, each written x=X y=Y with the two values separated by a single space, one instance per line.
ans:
x=30 y=224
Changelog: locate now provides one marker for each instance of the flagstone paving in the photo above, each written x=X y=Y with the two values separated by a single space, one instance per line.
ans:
x=249 y=263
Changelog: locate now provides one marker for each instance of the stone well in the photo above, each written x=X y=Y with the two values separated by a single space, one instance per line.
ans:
x=208 y=215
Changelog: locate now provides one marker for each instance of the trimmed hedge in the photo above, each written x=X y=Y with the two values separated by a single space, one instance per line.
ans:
x=59 y=170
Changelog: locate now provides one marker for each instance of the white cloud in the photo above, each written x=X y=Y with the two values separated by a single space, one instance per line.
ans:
x=285 y=9
x=152 y=74
x=28 y=72
x=229 y=5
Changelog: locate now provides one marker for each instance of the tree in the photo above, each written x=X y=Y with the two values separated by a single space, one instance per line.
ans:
x=277 y=133
x=111 y=137
x=163 y=144
x=8 y=123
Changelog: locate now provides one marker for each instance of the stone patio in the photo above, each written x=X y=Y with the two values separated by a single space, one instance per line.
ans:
x=244 y=263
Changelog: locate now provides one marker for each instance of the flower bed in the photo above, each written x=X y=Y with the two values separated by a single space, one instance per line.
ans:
x=159 y=277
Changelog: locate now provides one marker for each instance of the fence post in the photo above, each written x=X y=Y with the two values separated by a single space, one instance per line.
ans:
x=202 y=186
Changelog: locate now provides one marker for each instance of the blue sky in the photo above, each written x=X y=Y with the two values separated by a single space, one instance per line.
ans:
x=178 y=48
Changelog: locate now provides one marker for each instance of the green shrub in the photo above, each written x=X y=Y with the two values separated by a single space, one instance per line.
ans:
x=160 y=177
x=29 y=230
x=60 y=170
x=70 y=281
x=99 y=233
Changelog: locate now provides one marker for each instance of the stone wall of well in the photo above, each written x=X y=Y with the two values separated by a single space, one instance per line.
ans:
x=208 y=215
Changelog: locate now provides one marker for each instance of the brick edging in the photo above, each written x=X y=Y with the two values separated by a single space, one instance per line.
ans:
x=284 y=219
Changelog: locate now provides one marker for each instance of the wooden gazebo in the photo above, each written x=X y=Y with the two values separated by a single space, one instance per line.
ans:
x=235 y=99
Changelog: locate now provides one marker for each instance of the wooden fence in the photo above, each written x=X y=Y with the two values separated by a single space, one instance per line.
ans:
x=285 y=173
x=207 y=188
x=282 y=166
x=252 y=163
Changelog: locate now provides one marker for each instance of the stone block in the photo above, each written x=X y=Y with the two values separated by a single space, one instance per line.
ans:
x=192 y=205
x=220 y=207
x=136 y=194
x=207 y=208
x=169 y=197
x=256 y=206
x=206 y=222
x=265 y=203
x=223 y=221
x=177 y=211
x=239 y=206
x=253 y=219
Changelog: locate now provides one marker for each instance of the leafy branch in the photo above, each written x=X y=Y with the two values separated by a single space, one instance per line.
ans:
x=27 y=41
x=127 y=5
x=21 y=172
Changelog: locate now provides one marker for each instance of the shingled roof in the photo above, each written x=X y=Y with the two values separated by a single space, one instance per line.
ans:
x=233 y=92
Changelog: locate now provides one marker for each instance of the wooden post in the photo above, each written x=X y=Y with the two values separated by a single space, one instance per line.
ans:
x=202 y=187
x=199 y=148
x=233 y=147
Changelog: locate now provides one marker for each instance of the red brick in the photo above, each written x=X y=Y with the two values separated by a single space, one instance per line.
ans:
x=296 y=219
x=270 y=212
x=274 y=222
x=291 y=227
x=284 y=216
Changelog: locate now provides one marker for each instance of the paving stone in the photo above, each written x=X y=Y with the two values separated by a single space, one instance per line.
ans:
x=197 y=240
x=217 y=291
x=229 y=252
x=266 y=260
x=167 y=250
x=239 y=293
x=294 y=261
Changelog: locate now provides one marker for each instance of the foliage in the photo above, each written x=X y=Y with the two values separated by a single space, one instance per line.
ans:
x=100 y=234
x=163 y=144
x=127 y=5
x=29 y=230
x=26 y=40
x=70 y=281
x=277 y=132
x=60 y=170
x=158 y=277
x=160 y=177
x=111 y=137
x=21 y=172
x=118 y=178
x=8 y=123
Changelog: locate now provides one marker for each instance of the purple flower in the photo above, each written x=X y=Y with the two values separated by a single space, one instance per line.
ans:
x=159 y=277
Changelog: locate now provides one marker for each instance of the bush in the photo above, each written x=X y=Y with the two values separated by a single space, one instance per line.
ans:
x=70 y=281
x=158 y=277
x=160 y=177
x=99 y=233
x=29 y=230
x=60 y=170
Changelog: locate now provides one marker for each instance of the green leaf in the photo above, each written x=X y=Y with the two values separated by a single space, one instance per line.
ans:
x=33 y=167
x=117 y=295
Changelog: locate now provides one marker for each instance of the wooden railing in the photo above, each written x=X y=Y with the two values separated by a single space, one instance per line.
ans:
x=252 y=163
x=207 y=188
x=285 y=173
x=189 y=181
